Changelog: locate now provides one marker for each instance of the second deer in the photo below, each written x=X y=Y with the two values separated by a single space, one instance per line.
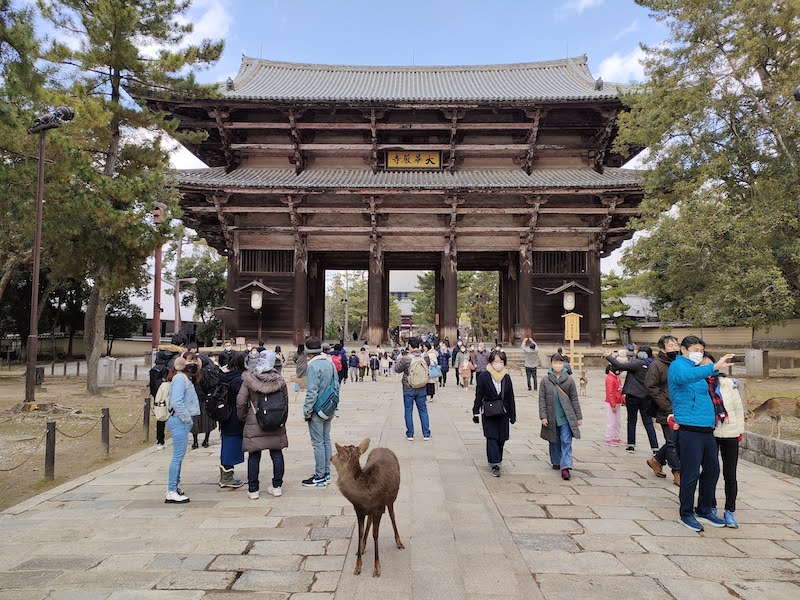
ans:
x=371 y=491
x=776 y=409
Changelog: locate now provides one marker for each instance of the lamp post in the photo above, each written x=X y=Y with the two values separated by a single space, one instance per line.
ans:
x=256 y=302
x=40 y=125
x=177 y=289
x=158 y=218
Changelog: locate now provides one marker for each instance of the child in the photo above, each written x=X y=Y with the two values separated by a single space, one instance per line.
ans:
x=614 y=398
x=560 y=412
x=465 y=370
x=385 y=364
x=374 y=365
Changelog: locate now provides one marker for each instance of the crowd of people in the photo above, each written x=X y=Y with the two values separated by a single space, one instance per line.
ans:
x=682 y=389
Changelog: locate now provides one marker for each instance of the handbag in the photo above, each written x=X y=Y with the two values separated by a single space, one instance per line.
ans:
x=493 y=407
x=435 y=371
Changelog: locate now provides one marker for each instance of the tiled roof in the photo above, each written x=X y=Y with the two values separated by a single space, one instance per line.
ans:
x=567 y=79
x=366 y=179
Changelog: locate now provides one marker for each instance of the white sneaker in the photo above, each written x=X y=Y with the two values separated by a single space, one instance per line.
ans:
x=175 y=498
x=410 y=438
x=253 y=495
x=159 y=446
x=275 y=491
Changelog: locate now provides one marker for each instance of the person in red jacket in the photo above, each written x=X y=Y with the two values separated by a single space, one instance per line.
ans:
x=614 y=399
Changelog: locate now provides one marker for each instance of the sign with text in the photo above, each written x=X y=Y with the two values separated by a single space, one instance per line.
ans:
x=572 y=327
x=405 y=159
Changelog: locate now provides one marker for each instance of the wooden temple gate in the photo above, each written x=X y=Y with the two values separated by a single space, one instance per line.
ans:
x=506 y=168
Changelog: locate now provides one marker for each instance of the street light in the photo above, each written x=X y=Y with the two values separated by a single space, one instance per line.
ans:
x=257 y=291
x=158 y=218
x=40 y=125
x=177 y=288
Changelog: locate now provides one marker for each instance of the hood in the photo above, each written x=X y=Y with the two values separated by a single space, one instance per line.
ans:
x=266 y=382
x=171 y=348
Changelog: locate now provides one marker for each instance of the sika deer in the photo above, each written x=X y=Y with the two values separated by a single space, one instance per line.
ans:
x=775 y=409
x=371 y=490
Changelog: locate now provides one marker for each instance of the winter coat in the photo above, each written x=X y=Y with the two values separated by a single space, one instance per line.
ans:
x=183 y=402
x=688 y=390
x=614 y=395
x=549 y=394
x=444 y=361
x=353 y=361
x=321 y=374
x=531 y=356
x=363 y=359
x=166 y=355
x=496 y=428
x=657 y=387
x=254 y=383
x=433 y=359
x=481 y=360
x=634 y=381
x=402 y=364
x=301 y=364
x=456 y=351
x=233 y=426
x=465 y=368
x=733 y=425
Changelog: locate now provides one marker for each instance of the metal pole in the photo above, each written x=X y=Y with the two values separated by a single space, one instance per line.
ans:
x=177 y=287
x=78 y=369
x=157 y=299
x=50 y=451
x=146 y=420
x=104 y=429
x=33 y=337
x=120 y=371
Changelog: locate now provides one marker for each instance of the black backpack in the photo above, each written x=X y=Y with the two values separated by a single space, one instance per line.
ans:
x=218 y=405
x=210 y=378
x=271 y=410
x=158 y=375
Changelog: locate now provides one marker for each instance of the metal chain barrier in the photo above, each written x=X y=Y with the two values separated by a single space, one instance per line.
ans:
x=118 y=430
x=30 y=456
x=80 y=435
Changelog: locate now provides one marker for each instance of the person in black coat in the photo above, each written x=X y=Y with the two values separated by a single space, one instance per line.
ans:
x=492 y=384
x=637 y=399
x=231 y=453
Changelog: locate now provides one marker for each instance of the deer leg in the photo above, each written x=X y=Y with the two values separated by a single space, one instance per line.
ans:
x=394 y=526
x=376 y=525
x=779 y=426
x=771 y=426
x=360 y=518
x=363 y=541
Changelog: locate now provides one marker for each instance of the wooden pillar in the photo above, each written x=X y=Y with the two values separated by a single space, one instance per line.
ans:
x=525 y=292
x=512 y=290
x=448 y=305
x=385 y=304
x=316 y=297
x=594 y=322
x=231 y=323
x=375 y=325
x=301 y=320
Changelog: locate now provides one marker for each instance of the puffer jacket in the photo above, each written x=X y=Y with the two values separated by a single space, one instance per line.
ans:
x=634 y=381
x=549 y=394
x=688 y=390
x=733 y=425
x=254 y=383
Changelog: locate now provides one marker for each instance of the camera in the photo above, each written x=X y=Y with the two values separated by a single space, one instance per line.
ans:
x=739 y=358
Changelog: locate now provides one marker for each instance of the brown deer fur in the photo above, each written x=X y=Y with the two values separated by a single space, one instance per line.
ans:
x=775 y=409
x=371 y=491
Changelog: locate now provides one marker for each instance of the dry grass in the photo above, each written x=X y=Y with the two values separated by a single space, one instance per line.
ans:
x=759 y=391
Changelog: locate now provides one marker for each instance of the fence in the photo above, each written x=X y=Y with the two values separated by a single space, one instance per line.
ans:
x=105 y=422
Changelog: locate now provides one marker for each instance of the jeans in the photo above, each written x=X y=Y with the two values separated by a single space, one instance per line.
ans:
x=729 y=450
x=418 y=397
x=696 y=451
x=561 y=450
x=634 y=406
x=161 y=427
x=254 y=465
x=530 y=373
x=667 y=453
x=320 y=432
x=353 y=373
x=494 y=451
x=180 y=439
x=612 y=423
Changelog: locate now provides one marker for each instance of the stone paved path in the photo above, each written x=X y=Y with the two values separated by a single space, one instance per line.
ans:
x=610 y=532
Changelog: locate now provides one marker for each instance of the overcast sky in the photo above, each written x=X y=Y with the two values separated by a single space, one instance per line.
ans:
x=427 y=33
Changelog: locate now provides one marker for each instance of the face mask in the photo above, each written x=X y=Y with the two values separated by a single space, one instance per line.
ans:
x=192 y=369
x=498 y=366
x=228 y=348
x=672 y=355
x=557 y=368
x=696 y=357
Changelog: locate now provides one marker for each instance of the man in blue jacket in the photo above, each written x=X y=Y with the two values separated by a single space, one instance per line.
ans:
x=695 y=420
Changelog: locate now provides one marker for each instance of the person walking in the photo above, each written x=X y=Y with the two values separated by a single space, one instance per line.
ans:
x=385 y=363
x=352 y=363
x=321 y=375
x=280 y=359
x=300 y=366
x=374 y=365
x=494 y=386
x=411 y=393
x=363 y=363
x=636 y=399
x=695 y=418
x=183 y=407
x=432 y=359
x=231 y=429
x=560 y=413
x=480 y=359
x=614 y=398
x=443 y=358
x=345 y=366
x=658 y=389
x=263 y=379
x=728 y=433
x=466 y=370
x=531 y=361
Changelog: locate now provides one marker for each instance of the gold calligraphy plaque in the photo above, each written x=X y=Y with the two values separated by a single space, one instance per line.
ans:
x=413 y=160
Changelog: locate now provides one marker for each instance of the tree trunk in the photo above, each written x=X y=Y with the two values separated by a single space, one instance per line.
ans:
x=94 y=331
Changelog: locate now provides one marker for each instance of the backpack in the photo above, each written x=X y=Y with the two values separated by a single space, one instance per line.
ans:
x=271 y=410
x=210 y=377
x=336 y=359
x=158 y=374
x=218 y=405
x=161 y=402
x=328 y=400
x=418 y=373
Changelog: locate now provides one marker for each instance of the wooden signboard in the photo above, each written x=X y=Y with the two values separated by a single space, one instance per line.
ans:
x=572 y=327
x=406 y=160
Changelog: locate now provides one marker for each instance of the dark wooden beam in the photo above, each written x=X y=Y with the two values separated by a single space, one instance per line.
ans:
x=299 y=161
x=530 y=141
x=231 y=160
x=402 y=210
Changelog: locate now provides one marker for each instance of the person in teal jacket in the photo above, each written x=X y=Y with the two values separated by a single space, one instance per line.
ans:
x=695 y=419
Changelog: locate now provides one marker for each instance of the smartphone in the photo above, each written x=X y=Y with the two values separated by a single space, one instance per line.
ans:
x=739 y=358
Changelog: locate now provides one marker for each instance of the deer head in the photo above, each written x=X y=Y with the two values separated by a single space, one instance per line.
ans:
x=348 y=454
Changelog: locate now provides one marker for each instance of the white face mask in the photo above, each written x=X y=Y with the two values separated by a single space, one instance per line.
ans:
x=696 y=357
x=498 y=366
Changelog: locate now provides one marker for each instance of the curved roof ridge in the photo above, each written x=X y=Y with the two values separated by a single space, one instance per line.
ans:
x=250 y=61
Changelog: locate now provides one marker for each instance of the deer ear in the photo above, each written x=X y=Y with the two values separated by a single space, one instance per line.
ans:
x=338 y=448
x=362 y=447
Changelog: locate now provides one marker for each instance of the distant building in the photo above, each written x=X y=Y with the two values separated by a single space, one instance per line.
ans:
x=188 y=321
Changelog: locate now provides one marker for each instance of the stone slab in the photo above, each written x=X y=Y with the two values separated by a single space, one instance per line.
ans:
x=194 y=580
x=324 y=563
x=274 y=581
x=571 y=587
x=721 y=568
x=303 y=547
x=765 y=590
x=250 y=562
x=577 y=563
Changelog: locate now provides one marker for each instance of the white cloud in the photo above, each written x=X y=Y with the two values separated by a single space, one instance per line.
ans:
x=629 y=29
x=211 y=20
x=623 y=68
x=576 y=7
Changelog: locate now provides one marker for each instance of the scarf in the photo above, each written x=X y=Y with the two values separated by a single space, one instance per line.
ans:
x=497 y=375
x=716 y=398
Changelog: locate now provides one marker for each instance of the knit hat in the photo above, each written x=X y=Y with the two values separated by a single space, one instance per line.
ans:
x=337 y=347
x=266 y=361
x=180 y=363
x=313 y=345
x=326 y=347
